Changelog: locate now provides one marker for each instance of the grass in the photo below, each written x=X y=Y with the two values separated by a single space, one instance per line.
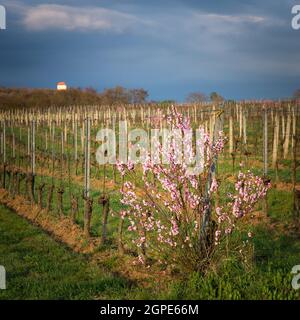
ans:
x=39 y=268
x=269 y=278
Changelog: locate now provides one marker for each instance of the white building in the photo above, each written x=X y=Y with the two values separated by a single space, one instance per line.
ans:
x=61 y=86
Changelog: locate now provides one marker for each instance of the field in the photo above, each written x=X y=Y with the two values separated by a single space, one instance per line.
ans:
x=62 y=235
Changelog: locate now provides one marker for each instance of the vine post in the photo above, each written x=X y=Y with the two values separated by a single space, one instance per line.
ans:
x=265 y=155
x=88 y=208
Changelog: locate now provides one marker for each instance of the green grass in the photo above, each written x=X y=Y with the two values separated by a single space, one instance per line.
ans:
x=269 y=277
x=40 y=268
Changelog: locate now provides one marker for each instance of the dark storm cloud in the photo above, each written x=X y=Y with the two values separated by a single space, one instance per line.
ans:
x=243 y=49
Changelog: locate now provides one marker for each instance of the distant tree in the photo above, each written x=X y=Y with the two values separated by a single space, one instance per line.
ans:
x=297 y=94
x=117 y=95
x=215 y=97
x=138 y=96
x=91 y=90
x=28 y=98
x=196 y=97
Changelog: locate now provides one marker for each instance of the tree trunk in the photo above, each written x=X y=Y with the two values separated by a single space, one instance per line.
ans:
x=30 y=187
x=60 y=208
x=120 y=236
x=297 y=204
x=104 y=201
x=10 y=180
x=4 y=176
x=50 y=198
x=74 y=208
x=40 y=195
x=287 y=137
x=21 y=176
x=15 y=178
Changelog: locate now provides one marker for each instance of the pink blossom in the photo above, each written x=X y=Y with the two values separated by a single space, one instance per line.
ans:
x=170 y=211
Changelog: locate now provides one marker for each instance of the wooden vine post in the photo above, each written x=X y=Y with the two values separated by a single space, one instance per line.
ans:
x=73 y=197
x=14 y=172
x=75 y=145
x=275 y=146
x=88 y=207
x=287 y=137
x=13 y=146
x=232 y=142
x=230 y=134
x=51 y=187
x=32 y=178
x=61 y=190
x=28 y=141
x=42 y=184
x=296 y=191
x=265 y=156
x=4 y=155
x=20 y=174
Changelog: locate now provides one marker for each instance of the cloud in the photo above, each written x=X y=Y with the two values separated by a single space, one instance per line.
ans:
x=216 y=24
x=69 y=18
x=95 y=18
x=231 y=19
x=75 y=18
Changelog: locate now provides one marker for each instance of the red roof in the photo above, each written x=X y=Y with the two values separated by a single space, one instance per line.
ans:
x=61 y=84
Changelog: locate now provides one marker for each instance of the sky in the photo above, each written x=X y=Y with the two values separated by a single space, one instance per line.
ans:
x=241 y=49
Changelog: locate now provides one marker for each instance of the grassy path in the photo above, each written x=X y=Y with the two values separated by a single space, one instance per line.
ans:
x=39 y=268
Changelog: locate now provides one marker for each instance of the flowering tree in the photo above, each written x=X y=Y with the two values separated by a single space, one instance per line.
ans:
x=175 y=217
